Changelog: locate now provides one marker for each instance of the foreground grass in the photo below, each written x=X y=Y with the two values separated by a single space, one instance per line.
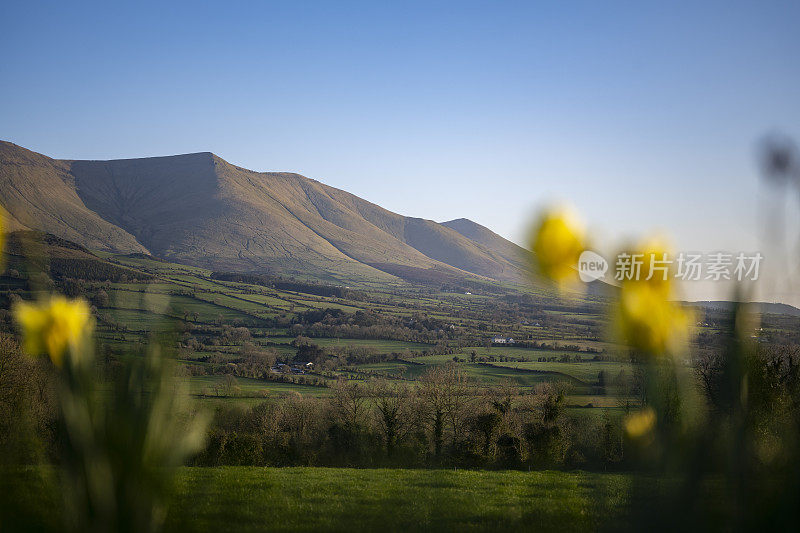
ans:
x=339 y=499
x=346 y=499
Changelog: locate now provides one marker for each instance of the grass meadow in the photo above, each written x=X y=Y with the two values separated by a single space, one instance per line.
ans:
x=345 y=499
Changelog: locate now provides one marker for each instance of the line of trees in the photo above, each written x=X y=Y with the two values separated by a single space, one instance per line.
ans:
x=443 y=421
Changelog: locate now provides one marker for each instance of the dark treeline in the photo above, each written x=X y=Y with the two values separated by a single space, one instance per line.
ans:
x=94 y=270
x=73 y=270
x=335 y=323
x=443 y=421
x=26 y=255
x=544 y=345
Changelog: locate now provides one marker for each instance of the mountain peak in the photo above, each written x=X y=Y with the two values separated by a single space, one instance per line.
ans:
x=204 y=156
x=470 y=229
x=463 y=222
x=199 y=209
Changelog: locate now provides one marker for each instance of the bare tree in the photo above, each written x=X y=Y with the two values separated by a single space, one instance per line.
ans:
x=711 y=370
x=349 y=400
x=444 y=390
x=395 y=413
x=226 y=386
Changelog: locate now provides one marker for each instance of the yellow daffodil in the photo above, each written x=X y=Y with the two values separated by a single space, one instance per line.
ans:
x=647 y=318
x=640 y=424
x=648 y=321
x=657 y=269
x=557 y=241
x=54 y=326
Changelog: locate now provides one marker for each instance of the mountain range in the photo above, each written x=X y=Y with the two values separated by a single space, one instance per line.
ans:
x=198 y=209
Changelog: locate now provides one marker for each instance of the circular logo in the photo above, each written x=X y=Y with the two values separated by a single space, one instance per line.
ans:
x=591 y=266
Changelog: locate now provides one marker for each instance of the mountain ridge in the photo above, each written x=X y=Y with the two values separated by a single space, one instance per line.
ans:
x=200 y=209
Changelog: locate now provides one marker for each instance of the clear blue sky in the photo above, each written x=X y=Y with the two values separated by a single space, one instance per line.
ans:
x=643 y=114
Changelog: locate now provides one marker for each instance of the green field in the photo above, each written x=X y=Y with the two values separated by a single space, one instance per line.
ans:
x=343 y=499
x=584 y=371
x=397 y=368
x=187 y=301
x=253 y=388
x=493 y=375
x=324 y=499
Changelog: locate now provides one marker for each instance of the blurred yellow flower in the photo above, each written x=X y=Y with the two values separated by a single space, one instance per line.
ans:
x=647 y=318
x=657 y=271
x=640 y=424
x=54 y=326
x=648 y=321
x=557 y=241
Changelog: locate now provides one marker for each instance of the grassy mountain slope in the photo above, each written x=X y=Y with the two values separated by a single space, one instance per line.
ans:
x=39 y=193
x=512 y=253
x=434 y=241
x=201 y=210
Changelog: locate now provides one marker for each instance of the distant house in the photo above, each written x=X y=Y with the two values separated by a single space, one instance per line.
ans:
x=502 y=340
x=301 y=367
x=279 y=368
